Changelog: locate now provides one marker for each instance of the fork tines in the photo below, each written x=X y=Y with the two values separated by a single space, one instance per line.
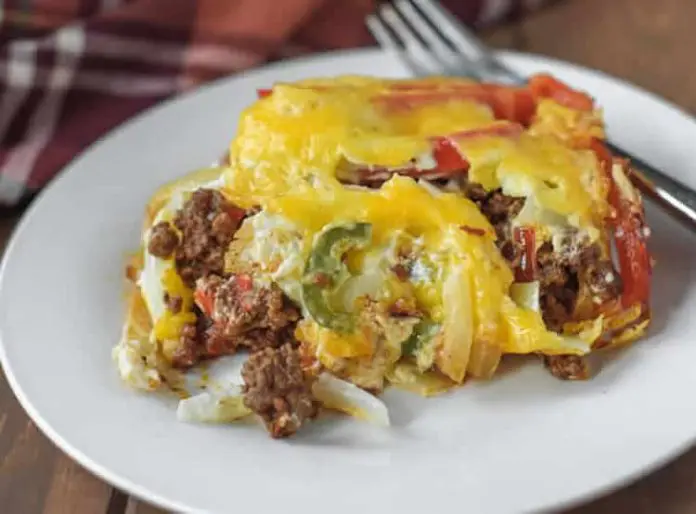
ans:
x=430 y=40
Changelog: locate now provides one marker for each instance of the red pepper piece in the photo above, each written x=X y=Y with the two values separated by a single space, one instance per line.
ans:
x=508 y=103
x=474 y=231
x=525 y=237
x=630 y=235
x=245 y=282
x=543 y=85
x=205 y=301
x=447 y=156
x=237 y=214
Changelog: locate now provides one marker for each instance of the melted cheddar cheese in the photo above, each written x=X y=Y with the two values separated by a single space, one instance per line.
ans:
x=290 y=145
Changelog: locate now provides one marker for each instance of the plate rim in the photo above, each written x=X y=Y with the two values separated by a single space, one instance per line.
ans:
x=115 y=479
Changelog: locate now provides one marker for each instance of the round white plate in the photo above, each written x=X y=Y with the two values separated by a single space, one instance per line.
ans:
x=523 y=441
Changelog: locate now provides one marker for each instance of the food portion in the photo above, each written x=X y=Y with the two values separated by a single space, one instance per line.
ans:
x=366 y=233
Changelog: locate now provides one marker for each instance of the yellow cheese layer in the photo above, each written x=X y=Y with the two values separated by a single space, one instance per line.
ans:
x=290 y=144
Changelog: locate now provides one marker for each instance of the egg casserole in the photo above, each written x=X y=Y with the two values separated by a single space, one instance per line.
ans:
x=365 y=232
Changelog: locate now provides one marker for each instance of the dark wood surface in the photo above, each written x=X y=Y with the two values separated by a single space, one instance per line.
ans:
x=648 y=42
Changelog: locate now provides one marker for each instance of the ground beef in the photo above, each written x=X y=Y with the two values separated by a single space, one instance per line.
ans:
x=245 y=316
x=188 y=352
x=603 y=280
x=174 y=303
x=163 y=240
x=561 y=271
x=558 y=286
x=499 y=209
x=568 y=367
x=401 y=271
x=474 y=192
x=241 y=306
x=403 y=308
x=207 y=223
x=278 y=391
x=216 y=342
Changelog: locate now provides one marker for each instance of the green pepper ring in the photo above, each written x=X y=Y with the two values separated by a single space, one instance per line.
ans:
x=325 y=272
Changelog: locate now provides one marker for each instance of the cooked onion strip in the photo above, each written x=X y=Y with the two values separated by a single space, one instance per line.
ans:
x=213 y=407
x=343 y=396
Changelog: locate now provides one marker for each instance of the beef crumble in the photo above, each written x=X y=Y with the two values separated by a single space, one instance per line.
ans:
x=188 y=352
x=568 y=367
x=173 y=302
x=207 y=223
x=278 y=391
x=163 y=240
x=240 y=305
x=558 y=287
x=561 y=272
x=603 y=281
x=500 y=210
x=244 y=316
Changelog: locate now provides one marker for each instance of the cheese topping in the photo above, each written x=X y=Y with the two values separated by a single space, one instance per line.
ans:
x=291 y=143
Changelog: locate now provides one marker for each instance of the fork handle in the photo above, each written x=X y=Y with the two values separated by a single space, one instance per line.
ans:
x=671 y=195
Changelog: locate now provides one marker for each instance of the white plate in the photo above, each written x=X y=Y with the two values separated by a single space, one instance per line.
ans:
x=520 y=442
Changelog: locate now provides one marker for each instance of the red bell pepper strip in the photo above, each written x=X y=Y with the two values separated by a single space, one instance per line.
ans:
x=447 y=156
x=543 y=85
x=450 y=163
x=525 y=237
x=512 y=103
x=402 y=86
x=245 y=282
x=236 y=214
x=474 y=231
x=419 y=85
x=205 y=301
x=630 y=234
x=499 y=129
x=205 y=297
x=508 y=103
x=263 y=93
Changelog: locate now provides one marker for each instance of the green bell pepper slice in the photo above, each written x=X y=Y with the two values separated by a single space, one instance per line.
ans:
x=325 y=271
x=422 y=334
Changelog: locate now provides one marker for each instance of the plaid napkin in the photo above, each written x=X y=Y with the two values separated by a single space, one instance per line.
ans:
x=71 y=70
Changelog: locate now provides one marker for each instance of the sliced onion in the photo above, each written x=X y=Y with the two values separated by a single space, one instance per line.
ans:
x=130 y=356
x=434 y=191
x=585 y=333
x=407 y=376
x=212 y=407
x=574 y=345
x=365 y=284
x=526 y=294
x=535 y=215
x=457 y=329
x=624 y=184
x=343 y=396
x=484 y=359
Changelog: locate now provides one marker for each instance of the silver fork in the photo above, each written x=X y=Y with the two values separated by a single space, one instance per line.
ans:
x=430 y=40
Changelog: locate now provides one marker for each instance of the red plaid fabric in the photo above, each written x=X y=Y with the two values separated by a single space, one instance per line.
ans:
x=71 y=70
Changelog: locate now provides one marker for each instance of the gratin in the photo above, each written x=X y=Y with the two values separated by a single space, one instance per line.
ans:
x=366 y=232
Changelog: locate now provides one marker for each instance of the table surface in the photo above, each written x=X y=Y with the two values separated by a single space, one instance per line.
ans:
x=646 y=42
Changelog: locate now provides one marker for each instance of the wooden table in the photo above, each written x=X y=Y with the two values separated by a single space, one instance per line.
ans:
x=647 y=42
